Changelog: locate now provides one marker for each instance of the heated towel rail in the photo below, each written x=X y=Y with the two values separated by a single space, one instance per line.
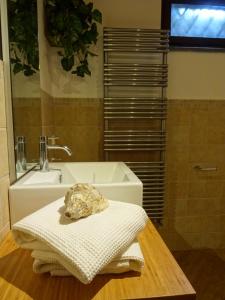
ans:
x=135 y=107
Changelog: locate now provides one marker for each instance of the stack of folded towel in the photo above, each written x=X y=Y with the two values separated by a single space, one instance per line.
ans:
x=100 y=243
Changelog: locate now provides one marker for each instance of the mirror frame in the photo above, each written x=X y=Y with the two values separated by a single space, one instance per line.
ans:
x=8 y=91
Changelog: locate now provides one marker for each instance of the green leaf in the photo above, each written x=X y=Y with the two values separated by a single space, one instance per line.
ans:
x=59 y=21
x=75 y=2
x=68 y=48
x=90 y=36
x=28 y=71
x=75 y=46
x=97 y=15
x=67 y=63
x=76 y=23
x=23 y=36
x=51 y=2
x=14 y=60
x=85 y=9
x=72 y=25
x=17 y=68
x=82 y=69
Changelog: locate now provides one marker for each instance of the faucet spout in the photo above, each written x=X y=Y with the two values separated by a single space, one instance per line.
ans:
x=58 y=147
x=44 y=147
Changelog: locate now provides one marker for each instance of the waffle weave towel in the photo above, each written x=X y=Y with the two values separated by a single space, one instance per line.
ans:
x=84 y=247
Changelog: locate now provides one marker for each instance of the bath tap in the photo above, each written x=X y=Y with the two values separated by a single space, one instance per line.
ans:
x=44 y=147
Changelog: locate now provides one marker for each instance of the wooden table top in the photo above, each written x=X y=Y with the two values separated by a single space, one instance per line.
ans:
x=161 y=278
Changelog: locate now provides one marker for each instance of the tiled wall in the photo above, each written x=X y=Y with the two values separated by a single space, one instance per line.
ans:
x=27 y=122
x=77 y=122
x=79 y=125
x=4 y=169
x=195 y=200
x=47 y=114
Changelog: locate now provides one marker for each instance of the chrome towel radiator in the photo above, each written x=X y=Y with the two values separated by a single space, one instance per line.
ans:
x=135 y=108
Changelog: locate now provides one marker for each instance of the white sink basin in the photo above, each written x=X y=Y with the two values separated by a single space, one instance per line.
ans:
x=113 y=179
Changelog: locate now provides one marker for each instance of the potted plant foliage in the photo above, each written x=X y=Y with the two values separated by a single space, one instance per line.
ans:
x=72 y=26
x=23 y=36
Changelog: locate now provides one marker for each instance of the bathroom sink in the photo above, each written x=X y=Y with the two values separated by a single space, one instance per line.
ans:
x=36 y=189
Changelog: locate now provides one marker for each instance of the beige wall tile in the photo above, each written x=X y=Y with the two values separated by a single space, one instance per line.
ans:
x=195 y=204
x=222 y=204
x=177 y=170
x=178 y=135
x=27 y=112
x=203 y=206
x=65 y=135
x=178 y=242
x=87 y=143
x=177 y=207
x=216 y=113
x=4 y=232
x=2 y=98
x=213 y=240
x=4 y=206
x=194 y=239
x=198 y=128
x=47 y=112
x=195 y=224
x=213 y=223
x=177 y=190
x=65 y=114
x=179 y=113
x=176 y=154
x=198 y=153
x=4 y=167
x=179 y=225
x=89 y=112
x=216 y=134
x=197 y=189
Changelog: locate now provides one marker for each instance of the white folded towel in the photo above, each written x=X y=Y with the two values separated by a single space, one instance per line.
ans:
x=131 y=259
x=83 y=247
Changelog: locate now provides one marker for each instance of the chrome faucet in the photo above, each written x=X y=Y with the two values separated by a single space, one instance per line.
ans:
x=44 y=147
x=21 y=163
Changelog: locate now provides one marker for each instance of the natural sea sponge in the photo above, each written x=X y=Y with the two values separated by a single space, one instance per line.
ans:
x=83 y=200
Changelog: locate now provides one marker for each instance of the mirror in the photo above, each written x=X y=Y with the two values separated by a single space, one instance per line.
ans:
x=25 y=79
x=53 y=94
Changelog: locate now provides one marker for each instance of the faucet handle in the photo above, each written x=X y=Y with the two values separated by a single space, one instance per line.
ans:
x=43 y=139
x=20 y=140
x=52 y=140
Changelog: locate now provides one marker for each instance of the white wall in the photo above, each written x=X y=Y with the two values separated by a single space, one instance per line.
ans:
x=130 y=13
x=25 y=87
x=196 y=75
x=125 y=13
x=65 y=84
x=192 y=74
